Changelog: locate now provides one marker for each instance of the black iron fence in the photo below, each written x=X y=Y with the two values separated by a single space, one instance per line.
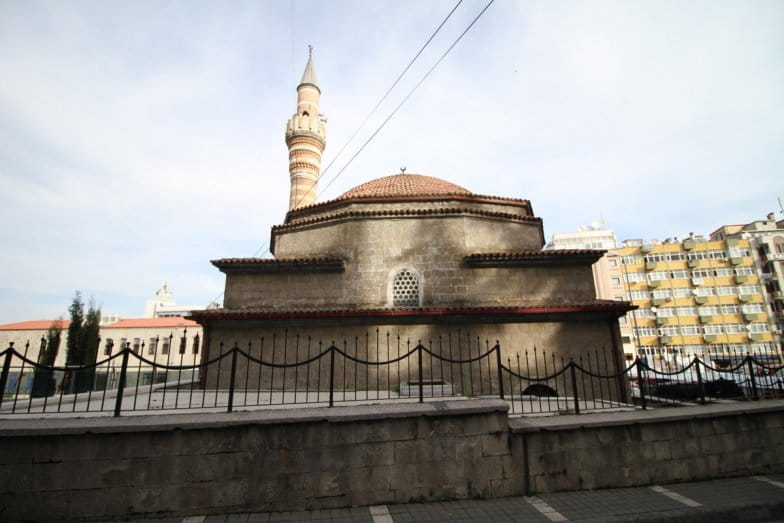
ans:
x=294 y=370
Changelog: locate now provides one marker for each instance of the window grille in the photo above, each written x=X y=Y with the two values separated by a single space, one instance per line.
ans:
x=405 y=289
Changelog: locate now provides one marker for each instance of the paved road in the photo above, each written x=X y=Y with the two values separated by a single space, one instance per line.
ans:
x=754 y=498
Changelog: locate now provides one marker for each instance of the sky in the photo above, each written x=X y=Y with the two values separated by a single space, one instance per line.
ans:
x=139 y=140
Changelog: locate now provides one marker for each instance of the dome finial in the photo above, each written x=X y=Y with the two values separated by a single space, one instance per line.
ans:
x=403 y=170
x=310 y=50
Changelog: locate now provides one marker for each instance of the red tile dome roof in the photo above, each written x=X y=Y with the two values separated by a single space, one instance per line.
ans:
x=404 y=185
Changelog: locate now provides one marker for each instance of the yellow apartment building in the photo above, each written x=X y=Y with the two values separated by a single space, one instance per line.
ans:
x=695 y=298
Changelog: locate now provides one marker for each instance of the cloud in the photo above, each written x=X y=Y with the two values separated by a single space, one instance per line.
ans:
x=139 y=141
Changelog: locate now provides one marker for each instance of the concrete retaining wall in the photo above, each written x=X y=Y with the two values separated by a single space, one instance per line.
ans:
x=625 y=449
x=254 y=461
x=157 y=465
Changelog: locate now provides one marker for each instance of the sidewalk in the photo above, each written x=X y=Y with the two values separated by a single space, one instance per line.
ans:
x=756 y=498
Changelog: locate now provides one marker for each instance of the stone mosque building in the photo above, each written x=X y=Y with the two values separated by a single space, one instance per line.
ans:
x=411 y=255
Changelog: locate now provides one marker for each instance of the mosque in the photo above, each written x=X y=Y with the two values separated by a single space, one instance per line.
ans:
x=411 y=255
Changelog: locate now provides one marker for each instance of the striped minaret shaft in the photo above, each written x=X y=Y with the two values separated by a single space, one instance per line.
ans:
x=306 y=139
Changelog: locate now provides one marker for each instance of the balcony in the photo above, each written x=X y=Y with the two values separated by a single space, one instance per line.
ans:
x=736 y=260
x=659 y=301
x=712 y=338
x=751 y=316
x=654 y=284
x=705 y=318
x=779 y=256
x=745 y=297
x=689 y=244
x=661 y=321
x=647 y=247
x=741 y=278
x=693 y=263
x=756 y=336
x=649 y=266
x=667 y=339
x=702 y=300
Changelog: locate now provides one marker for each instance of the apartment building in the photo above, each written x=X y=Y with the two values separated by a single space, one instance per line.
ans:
x=766 y=239
x=696 y=297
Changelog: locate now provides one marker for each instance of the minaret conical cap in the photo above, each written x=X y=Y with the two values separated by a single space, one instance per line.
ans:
x=309 y=75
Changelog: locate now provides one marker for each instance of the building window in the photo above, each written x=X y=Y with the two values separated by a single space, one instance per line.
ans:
x=183 y=343
x=196 y=344
x=136 y=344
x=635 y=277
x=405 y=289
x=107 y=349
x=123 y=343
x=166 y=345
x=612 y=262
x=153 y=346
x=615 y=281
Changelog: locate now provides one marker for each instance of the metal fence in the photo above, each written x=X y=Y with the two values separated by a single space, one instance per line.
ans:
x=294 y=370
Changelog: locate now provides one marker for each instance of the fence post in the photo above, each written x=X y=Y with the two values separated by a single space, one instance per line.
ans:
x=9 y=352
x=419 y=358
x=500 y=369
x=121 y=384
x=234 y=350
x=754 y=394
x=638 y=363
x=332 y=350
x=573 y=372
x=700 y=383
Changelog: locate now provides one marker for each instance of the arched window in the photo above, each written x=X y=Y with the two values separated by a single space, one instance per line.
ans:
x=406 y=289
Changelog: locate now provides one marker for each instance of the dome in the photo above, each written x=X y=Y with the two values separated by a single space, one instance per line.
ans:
x=401 y=185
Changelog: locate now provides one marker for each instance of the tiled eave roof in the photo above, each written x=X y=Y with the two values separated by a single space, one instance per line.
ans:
x=315 y=208
x=617 y=308
x=535 y=258
x=405 y=213
x=257 y=265
x=33 y=325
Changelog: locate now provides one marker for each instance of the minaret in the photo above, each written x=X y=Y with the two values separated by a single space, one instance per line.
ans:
x=305 y=138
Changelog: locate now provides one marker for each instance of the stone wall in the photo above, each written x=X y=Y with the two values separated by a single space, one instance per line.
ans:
x=254 y=461
x=195 y=464
x=562 y=340
x=374 y=249
x=651 y=447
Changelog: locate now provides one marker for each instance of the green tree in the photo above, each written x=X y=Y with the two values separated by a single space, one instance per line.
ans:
x=83 y=340
x=43 y=381
x=75 y=347
x=91 y=333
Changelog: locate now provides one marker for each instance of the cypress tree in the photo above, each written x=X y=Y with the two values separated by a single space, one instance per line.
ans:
x=43 y=381
x=75 y=345
x=83 y=340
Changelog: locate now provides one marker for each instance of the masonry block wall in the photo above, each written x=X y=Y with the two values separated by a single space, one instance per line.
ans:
x=645 y=448
x=308 y=458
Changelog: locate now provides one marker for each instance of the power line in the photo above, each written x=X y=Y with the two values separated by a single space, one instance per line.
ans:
x=372 y=112
x=394 y=84
x=409 y=94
